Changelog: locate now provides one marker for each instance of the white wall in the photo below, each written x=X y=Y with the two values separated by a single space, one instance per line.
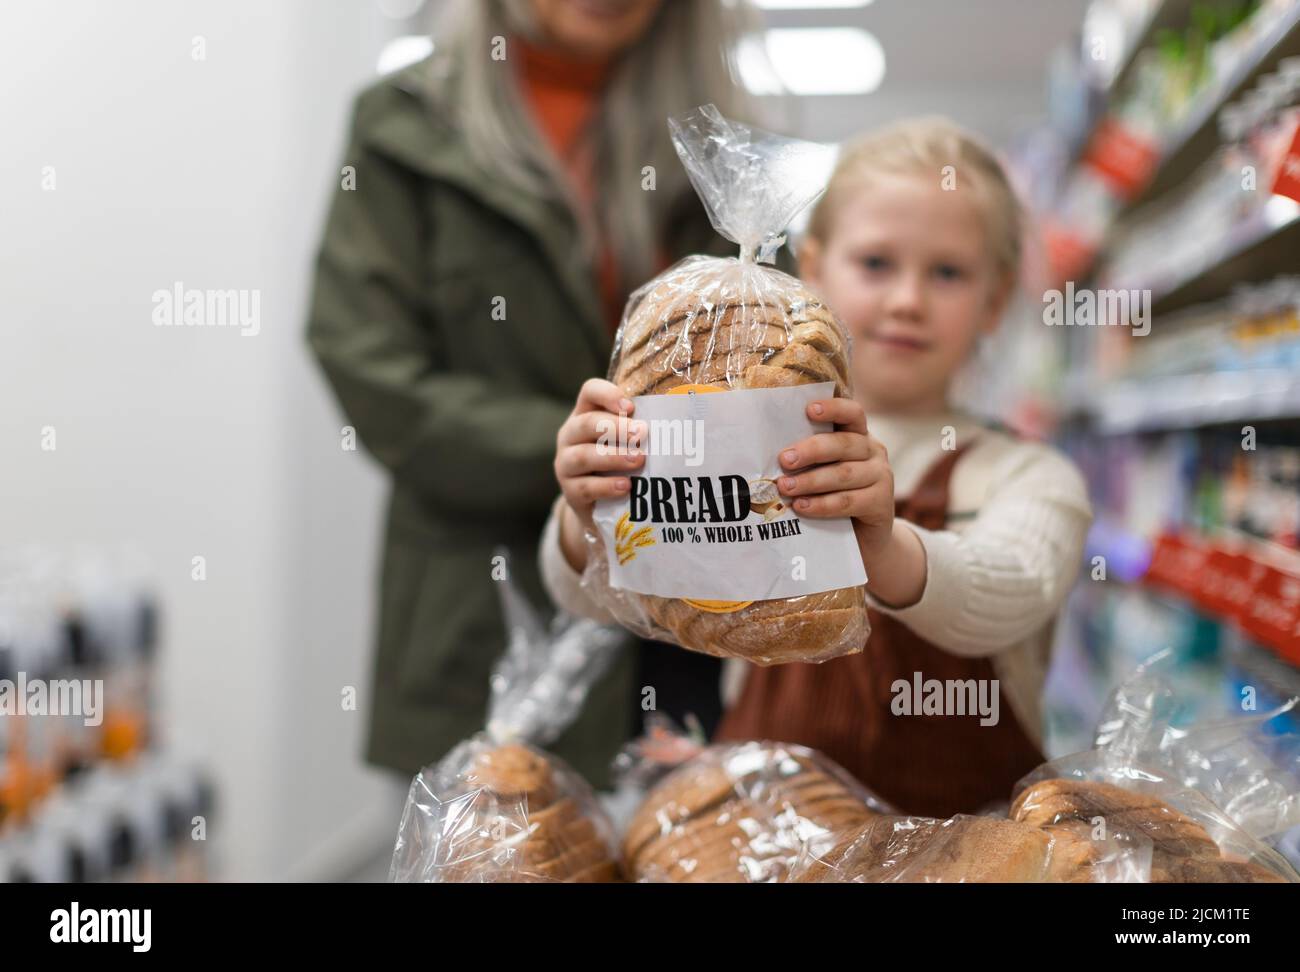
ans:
x=190 y=441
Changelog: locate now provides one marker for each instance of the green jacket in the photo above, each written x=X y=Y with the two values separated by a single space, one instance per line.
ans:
x=462 y=409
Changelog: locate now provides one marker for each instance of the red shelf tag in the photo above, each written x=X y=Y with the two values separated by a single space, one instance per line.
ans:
x=1176 y=563
x=1122 y=157
x=1232 y=585
x=1274 y=614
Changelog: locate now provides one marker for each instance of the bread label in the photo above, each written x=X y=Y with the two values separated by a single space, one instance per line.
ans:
x=688 y=389
x=705 y=520
x=716 y=607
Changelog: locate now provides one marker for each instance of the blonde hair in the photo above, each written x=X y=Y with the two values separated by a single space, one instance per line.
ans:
x=686 y=58
x=926 y=146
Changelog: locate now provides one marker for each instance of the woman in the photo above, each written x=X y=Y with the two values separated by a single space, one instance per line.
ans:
x=506 y=194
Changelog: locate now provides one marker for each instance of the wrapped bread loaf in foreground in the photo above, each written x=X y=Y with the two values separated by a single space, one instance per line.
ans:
x=960 y=849
x=1061 y=830
x=1182 y=851
x=1118 y=812
x=747 y=576
x=714 y=322
x=741 y=813
x=497 y=808
x=726 y=325
x=563 y=837
x=509 y=813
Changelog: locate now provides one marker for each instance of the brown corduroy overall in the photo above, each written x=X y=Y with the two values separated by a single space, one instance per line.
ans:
x=934 y=765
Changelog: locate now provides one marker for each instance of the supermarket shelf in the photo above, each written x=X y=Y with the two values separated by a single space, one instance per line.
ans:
x=1244 y=581
x=1264 y=246
x=1197 y=139
x=1127 y=554
x=1166 y=14
x=1165 y=403
x=1224 y=575
x=1260 y=247
x=1120 y=545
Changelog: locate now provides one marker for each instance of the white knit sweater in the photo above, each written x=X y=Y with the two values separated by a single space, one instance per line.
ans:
x=995 y=578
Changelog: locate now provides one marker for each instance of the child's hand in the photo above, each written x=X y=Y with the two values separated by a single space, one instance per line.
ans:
x=587 y=445
x=842 y=473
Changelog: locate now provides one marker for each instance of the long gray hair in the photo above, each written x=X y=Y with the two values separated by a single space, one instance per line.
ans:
x=686 y=58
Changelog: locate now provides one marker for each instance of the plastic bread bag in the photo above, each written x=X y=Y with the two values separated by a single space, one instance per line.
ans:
x=642 y=762
x=963 y=849
x=1241 y=763
x=704 y=551
x=1096 y=795
x=741 y=813
x=497 y=808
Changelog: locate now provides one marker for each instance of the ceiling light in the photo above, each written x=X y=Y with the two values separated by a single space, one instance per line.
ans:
x=811 y=61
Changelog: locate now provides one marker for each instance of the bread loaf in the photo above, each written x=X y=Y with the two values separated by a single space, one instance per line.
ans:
x=1078 y=805
x=960 y=849
x=519 y=824
x=1049 y=838
x=1181 y=850
x=739 y=326
x=739 y=813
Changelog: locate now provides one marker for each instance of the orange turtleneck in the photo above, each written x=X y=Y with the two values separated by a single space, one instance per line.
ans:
x=563 y=95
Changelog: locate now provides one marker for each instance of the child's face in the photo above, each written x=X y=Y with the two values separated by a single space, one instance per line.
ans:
x=907 y=268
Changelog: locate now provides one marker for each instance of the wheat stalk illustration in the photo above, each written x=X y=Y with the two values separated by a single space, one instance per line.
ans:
x=627 y=539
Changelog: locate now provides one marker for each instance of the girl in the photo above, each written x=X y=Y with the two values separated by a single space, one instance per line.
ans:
x=970 y=538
